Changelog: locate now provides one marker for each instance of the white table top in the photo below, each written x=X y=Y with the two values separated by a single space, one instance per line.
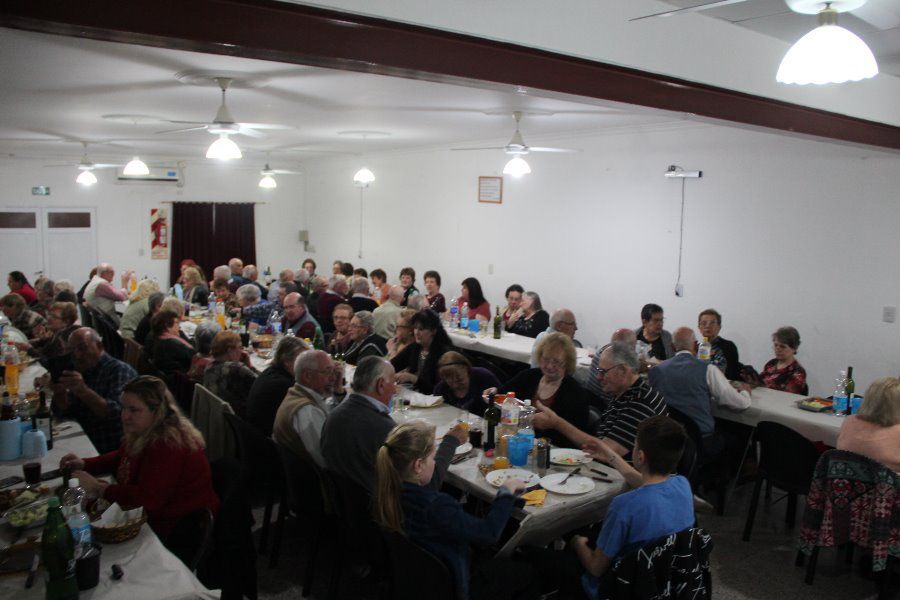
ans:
x=537 y=525
x=145 y=561
x=510 y=346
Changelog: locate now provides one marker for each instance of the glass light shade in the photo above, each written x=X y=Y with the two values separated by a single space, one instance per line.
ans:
x=827 y=54
x=363 y=177
x=86 y=178
x=136 y=167
x=517 y=167
x=268 y=182
x=223 y=148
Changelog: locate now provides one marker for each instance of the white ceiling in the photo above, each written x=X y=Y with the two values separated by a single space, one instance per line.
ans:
x=877 y=22
x=59 y=90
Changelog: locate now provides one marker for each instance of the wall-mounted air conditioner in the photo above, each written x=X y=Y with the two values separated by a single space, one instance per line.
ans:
x=156 y=175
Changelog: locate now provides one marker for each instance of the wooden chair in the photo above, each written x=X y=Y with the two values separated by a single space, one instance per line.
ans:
x=133 y=353
x=207 y=414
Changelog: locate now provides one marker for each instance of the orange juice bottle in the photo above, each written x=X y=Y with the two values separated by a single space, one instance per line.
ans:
x=501 y=462
x=11 y=369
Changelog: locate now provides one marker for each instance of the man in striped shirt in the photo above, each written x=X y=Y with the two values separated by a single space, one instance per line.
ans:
x=634 y=400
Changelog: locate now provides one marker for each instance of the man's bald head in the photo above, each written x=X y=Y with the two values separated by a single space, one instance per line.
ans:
x=236 y=265
x=683 y=339
x=624 y=335
x=396 y=293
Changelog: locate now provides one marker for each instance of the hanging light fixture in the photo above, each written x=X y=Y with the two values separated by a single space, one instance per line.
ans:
x=268 y=181
x=223 y=148
x=827 y=54
x=517 y=167
x=86 y=177
x=363 y=177
x=136 y=167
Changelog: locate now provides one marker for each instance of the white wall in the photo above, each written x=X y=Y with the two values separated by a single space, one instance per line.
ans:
x=123 y=209
x=778 y=231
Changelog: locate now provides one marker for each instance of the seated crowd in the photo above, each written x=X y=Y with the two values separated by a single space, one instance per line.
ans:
x=394 y=335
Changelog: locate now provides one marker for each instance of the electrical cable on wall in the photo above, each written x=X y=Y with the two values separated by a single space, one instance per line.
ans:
x=676 y=172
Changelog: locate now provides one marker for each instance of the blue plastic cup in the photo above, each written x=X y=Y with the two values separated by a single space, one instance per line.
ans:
x=855 y=404
x=474 y=324
x=518 y=451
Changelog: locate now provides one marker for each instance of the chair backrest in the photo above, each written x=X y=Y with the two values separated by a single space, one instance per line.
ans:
x=191 y=536
x=132 y=353
x=853 y=498
x=257 y=454
x=787 y=459
x=479 y=360
x=303 y=482
x=112 y=341
x=414 y=570
x=183 y=390
x=678 y=562
x=85 y=314
x=206 y=414
x=690 y=458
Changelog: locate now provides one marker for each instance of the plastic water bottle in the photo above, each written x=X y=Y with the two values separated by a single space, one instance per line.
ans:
x=454 y=314
x=464 y=316
x=212 y=306
x=839 y=396
x=526 y=427
x=275 y=321
x=77 y=520
x=704 y=350
x=509 y=416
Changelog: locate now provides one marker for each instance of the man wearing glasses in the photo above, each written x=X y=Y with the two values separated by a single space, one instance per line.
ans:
x=633 y=401
x=651 y=332
x=563 y=321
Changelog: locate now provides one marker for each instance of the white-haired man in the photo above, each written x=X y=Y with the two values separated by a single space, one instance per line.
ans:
x=251 y=274
x=562 y=320
x=253 y=307
x=386 y=315
x=101 y=295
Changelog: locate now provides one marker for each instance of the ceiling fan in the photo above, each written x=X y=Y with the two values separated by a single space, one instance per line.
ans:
x=517 y=148
x=268 y=176
x=223 y=125
x=874 y=12
x=86 y=167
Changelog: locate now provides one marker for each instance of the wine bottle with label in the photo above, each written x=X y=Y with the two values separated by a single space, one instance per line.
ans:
x=850 y=388
x=498 y=324
x=492 y=419
x=43 y=420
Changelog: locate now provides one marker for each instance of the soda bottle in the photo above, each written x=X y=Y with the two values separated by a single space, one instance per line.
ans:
x=11 y=368
x=58 y=555
x=704 y=350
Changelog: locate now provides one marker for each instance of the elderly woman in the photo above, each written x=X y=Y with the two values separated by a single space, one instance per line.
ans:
x=161 y=464
x=60 y=324
x=784 y=372
x=407 y=282
x=253 y=307
x=874 y=431
x=461 y=384
x=530 y=318
x=404 y=333
x=552 y=385
x=417 y=364
x=272 y=385
x=170 y=304
x=380 y=285
x=142 y=331
x=203 y=337
x=434 y=297
x=363 y=339
x=230 y=376
x=21 y=317
x=194 y=290
x=471 y=294
x=138 y=308
x=513 y=300
x=44 y=288
x=171 y=352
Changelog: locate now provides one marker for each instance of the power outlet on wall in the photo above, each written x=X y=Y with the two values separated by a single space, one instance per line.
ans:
x=889 y=314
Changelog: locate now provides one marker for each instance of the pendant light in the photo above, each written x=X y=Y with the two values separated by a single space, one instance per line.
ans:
x=268 y=180
x=136 y=167
x=827 y=54
x=86 y=177
x=517 y=167
x=363 y=177
x=223 y=148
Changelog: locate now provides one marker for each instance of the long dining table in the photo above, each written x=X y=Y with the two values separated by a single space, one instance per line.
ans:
x=149 y=570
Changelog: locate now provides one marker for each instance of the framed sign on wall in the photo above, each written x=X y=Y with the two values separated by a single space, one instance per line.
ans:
x=490 y=190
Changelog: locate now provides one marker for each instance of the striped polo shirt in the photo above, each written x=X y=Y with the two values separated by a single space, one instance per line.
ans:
x=620 y=421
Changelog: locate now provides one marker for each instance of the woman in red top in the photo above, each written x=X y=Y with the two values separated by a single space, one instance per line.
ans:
x=161 y=464
x=784 y=372
x=472 y=295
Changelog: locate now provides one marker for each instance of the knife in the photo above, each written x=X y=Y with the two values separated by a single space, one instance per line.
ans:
x=33 y=571
x=566 y=478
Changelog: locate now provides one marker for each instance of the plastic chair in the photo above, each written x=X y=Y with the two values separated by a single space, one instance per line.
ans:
x=414 y=569
x=852 y=500
x=261 y=464
x=787 y=461
x=191 y=536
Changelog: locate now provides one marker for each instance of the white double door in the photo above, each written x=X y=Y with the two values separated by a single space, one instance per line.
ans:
x=58 y=242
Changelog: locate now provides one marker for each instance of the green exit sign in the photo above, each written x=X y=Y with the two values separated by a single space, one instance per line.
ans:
x=40 y=190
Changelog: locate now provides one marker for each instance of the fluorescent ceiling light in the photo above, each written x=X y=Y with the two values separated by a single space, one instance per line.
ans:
x=827 y=54
x=136 y=167
x=223 y=148
x=86 y=177
x=268 y=182
x=363 y=177
x=517 y=167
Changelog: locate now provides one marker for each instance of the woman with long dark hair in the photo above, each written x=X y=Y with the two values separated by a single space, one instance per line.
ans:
x=471 y=294
x=417 y=364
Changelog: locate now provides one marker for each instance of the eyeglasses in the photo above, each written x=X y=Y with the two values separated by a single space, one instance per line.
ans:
x=601 y=373
x=709 y=323
x=569 y=323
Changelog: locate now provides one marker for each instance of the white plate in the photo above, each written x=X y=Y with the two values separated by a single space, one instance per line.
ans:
x=499 y=477
x=575 y=485
x=568 y=457
x=463 y=448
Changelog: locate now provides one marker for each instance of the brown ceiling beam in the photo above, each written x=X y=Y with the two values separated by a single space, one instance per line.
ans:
x=269 y=30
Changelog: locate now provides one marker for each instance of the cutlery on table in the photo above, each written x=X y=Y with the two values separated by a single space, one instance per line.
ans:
x=567 y=477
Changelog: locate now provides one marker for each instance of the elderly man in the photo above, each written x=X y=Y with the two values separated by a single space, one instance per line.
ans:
x=18 y=284
x=334 y=295
x=30 y=323
x=285 y=276
x=386 y=314
x=724 y=352
x=285 y=289
x=297 y=318
x=269 y=389
x=100 y=293
x=361 y=298
x=251 y=274
x=339 y=340
x=363 y=339
x=591 y=384
x=236 y=272
x=651 y=332
x=563 y=321
x=633 y=401
x=691 y=386
x=356 y=428
x=46 y=291
x=301 y=416
x=317 y=287
x=253 y=307
x=301 y=280
x=60 y=325
x=91 y=392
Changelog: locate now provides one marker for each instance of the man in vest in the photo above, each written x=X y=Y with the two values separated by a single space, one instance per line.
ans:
x=691 y=385
x=299 y=420
x=100 y=293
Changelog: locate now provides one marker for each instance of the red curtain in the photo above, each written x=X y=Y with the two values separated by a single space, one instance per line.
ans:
x=211 y=234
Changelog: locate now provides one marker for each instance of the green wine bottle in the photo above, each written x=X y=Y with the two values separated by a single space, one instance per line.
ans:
x=58 y=555
x=498 y=324
x=492 y=419
x=851 y=387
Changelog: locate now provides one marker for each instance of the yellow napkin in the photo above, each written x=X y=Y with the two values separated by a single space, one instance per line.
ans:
x=535 y=497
